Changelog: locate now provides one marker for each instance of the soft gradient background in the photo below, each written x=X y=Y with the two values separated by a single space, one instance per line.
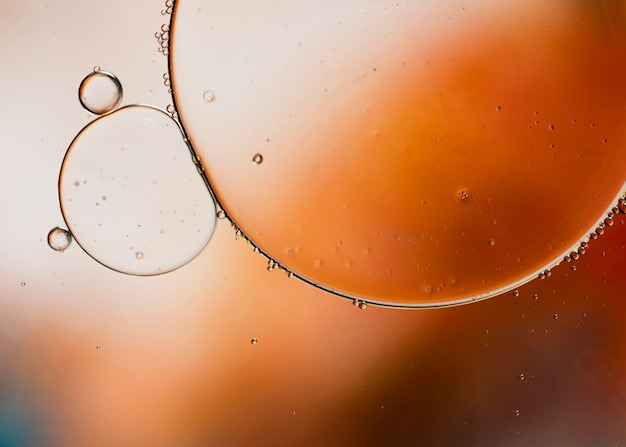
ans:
x=175 y=365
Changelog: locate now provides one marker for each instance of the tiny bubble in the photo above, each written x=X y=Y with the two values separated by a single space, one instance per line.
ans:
x=257 y=159
x=551 y=127
x=555 y=316
x=362 y=305
x=139 y=255
x=98 y=348
x=23 y=283
x=521 y=376
x=492 y=242
x=253 y=341
x=76 y=183
x=536 y=296
x=516 y=293
x=573 y=268
x=208 y=96
x=221 y=214
x=516 y=412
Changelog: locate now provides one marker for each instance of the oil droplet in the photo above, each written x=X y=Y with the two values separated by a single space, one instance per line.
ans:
x=221 y=214
x=208 y=96
x=100 y=92
x=253 y=341
x=521 y=376
x=59 y=239
x=138 y=153
x=257 y=159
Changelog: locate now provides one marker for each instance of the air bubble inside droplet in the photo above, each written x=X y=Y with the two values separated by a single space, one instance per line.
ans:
x=100 y=92
x=156 y=202
x=208 y=96
x=59 y=239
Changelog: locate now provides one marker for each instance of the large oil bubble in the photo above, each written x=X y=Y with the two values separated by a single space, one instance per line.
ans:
x=410 y=154
x=131 y=195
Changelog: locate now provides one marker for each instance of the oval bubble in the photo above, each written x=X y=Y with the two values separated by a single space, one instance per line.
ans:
x=100 y=92
x=131 y=195
x=422 y=153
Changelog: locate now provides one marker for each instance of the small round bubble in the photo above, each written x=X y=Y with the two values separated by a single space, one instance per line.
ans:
x=59 y=239
x=100 y=92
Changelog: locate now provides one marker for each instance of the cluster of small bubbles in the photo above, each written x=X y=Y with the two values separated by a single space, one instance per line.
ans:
x=253 y=341
x=272 y=265
x=516 y=293
x=221 y=214
x=172 y=111
x=360 y=304
x=167 y=82
x=163 y=37
x=59 y=239
x=257 y=159
x=521 y=376
x=464 y=195
x=169 y=7
x=208 y=96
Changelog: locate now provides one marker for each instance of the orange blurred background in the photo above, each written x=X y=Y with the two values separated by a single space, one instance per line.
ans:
x=90 y=357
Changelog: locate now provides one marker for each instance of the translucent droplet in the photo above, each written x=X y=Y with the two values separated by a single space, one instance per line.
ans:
x=155 y=200
x=253 y=341
x=257 y=159
x=59 y=239
x=100 y=92
x=208 y=96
